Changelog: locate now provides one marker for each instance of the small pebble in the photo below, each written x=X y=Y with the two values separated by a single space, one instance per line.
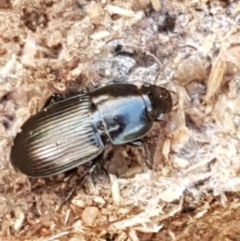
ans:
x=89 y=215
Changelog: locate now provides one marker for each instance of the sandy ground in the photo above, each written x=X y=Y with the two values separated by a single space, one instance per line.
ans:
x=183 y=183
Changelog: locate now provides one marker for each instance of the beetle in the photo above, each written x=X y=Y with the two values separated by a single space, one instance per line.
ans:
x=73 y=131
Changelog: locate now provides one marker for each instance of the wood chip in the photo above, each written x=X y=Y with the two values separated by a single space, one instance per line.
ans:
x=156 y=5
x=118 y=10
x=215 y=78
x=89 y=215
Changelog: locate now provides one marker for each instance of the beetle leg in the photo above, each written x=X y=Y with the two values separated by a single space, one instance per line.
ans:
x=54 y=98
x=112 y=82
x=96 y=86
x=70 y=93
x=136 y=143
x=98 y=163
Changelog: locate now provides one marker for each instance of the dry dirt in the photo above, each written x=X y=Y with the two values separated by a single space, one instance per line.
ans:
x=183 y=183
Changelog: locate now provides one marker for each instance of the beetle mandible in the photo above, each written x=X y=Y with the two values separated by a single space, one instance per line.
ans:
x=71 y=132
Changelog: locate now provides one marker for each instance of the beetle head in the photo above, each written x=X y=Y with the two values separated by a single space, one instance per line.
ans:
x=157 y=99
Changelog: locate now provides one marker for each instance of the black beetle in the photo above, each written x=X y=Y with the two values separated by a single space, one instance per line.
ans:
x=71 y=132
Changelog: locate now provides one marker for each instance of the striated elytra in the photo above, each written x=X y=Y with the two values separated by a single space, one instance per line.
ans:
x=72 y=131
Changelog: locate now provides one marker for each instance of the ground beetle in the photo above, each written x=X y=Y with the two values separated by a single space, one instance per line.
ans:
x=72 y=131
